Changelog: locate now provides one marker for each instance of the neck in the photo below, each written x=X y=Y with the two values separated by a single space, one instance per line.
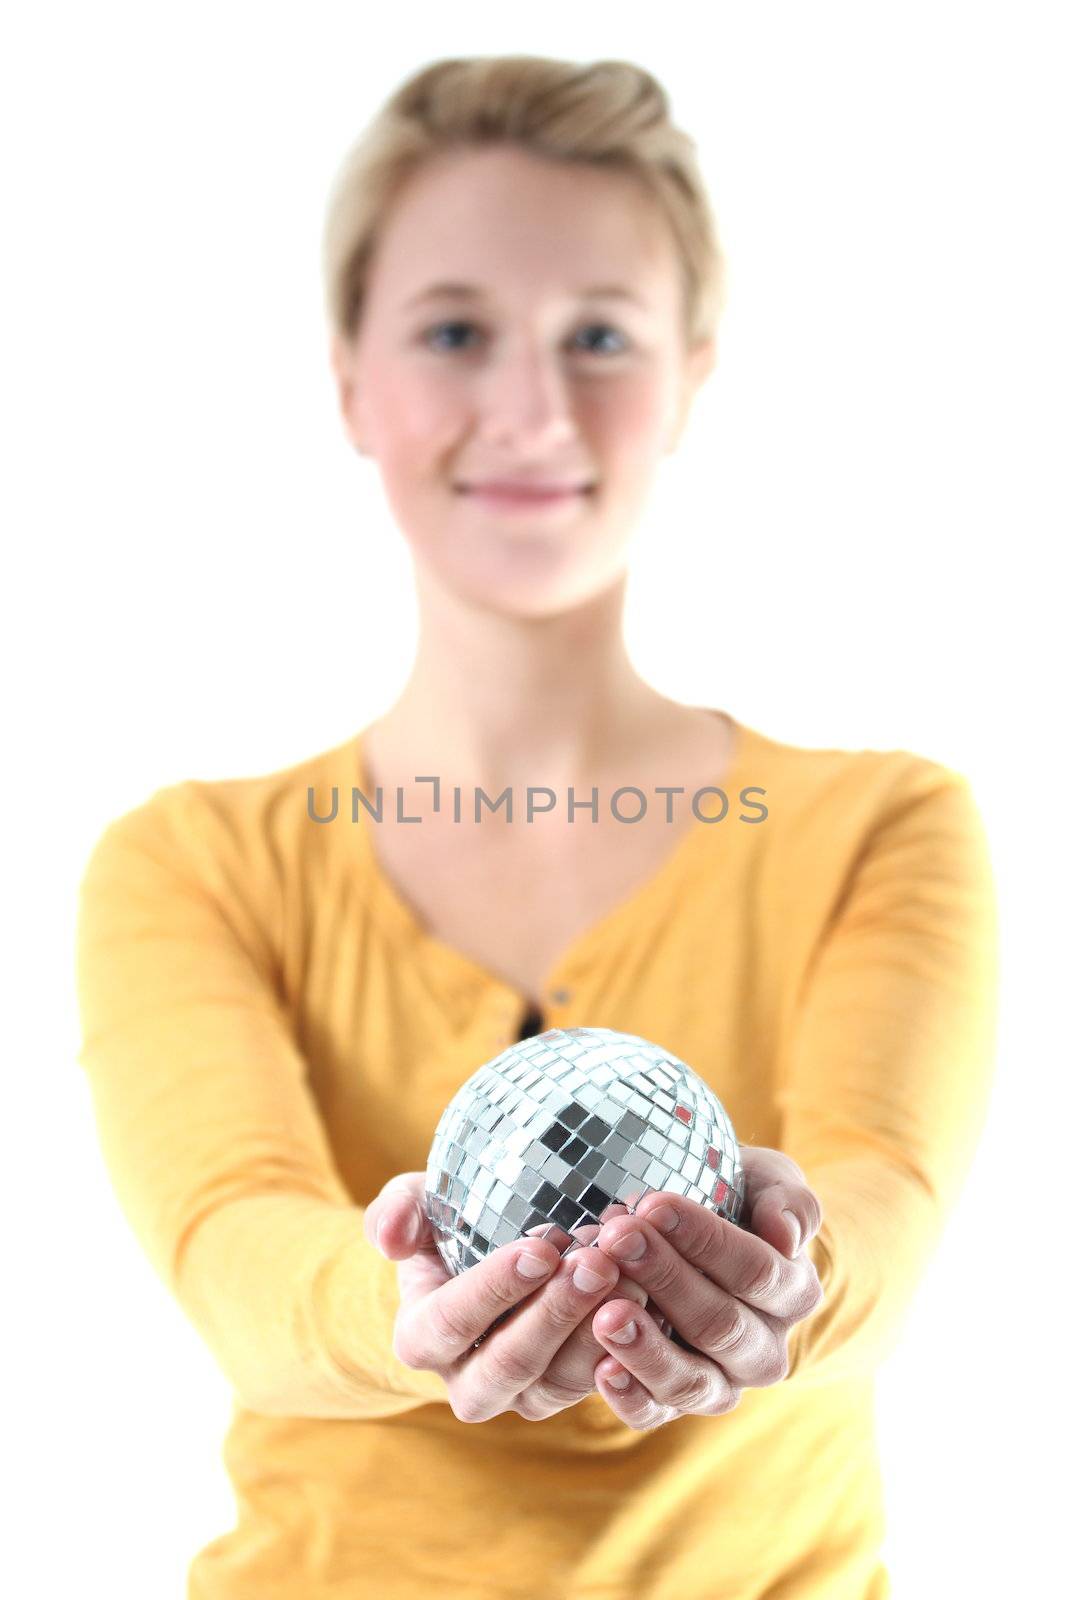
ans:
x=494 y=699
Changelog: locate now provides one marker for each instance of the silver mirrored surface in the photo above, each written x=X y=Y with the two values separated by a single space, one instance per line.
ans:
x=559 y=1127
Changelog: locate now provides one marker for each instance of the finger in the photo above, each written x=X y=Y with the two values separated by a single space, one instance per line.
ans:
x=419 y=1275
x=434 y=1332
x=557 y=1237
x=589 y=1230
x=788 y=1216
x=585 y=1234
x=658 y=1318
x=568 y=1377
x=664 y=1378
x=747 y=1344
x=742 y=1263
x=628 y=1398
x=401 y=1229
x=779 y=1205
x=396 y=1221
x=518 y=1353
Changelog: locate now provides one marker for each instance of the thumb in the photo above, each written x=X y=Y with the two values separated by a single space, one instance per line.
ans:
x=781 y=1206
x=395 y=1222
x=772 y=1220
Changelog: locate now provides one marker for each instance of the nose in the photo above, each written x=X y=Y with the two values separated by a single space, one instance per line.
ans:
x=525 y=400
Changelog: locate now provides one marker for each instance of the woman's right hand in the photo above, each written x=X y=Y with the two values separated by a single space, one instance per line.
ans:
x=541 y=1359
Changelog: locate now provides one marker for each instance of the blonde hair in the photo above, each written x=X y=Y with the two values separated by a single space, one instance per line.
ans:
x=610 y=113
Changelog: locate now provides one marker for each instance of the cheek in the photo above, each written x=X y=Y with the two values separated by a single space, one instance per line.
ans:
x=630 y=416
x=411 y=420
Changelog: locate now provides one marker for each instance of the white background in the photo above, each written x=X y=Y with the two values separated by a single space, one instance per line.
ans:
x=856 y=546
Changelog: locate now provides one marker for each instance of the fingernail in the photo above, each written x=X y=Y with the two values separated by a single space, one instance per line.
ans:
x=626 y=1334
x=627 y=1289
x=795 y=1230
x=412 y=1227
x=587 y=1281
x=630 y=1247
x=531 y=1266
x=664 y=1217
x=621 y=1380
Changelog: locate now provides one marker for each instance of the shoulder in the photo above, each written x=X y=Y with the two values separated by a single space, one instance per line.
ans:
x=851 y=790
x=839 y=817
x=222 y=832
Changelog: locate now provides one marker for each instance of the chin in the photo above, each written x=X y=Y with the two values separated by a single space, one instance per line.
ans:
x=523 y=595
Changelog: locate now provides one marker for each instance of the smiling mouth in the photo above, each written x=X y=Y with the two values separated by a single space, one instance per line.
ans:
x=523 y=495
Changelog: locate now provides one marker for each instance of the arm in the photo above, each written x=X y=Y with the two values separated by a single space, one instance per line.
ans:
x=212 y=1137
x=888 y=1067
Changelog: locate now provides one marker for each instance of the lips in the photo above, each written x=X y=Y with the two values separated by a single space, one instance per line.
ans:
x=512 y=493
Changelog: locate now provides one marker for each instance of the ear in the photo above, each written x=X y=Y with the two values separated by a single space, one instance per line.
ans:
x=701 y=359
x=343 y=365
x=697 y=365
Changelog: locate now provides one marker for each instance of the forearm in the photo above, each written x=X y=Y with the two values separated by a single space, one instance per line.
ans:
x=881 y=1225
x=298 y=1309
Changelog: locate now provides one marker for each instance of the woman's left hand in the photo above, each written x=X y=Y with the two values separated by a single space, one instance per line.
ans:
x=732 y=1295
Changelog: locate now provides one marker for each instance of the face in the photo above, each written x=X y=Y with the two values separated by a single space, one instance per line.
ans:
x=522 y=326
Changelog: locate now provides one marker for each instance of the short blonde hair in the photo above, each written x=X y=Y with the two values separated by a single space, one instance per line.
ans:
x=608 y=113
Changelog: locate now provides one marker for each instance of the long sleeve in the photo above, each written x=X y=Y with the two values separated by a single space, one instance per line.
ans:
x=888 y=1066
x=211 y=1136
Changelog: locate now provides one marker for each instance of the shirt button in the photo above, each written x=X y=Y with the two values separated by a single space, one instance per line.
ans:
x=560 y=997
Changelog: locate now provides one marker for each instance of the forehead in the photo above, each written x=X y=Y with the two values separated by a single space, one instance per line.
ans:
x=501 y=216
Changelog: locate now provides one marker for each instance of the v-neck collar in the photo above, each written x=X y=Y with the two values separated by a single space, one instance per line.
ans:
x=458 y=973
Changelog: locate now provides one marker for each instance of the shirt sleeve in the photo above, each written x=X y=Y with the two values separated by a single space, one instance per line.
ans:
x=889 y=1066
x=211 y=1135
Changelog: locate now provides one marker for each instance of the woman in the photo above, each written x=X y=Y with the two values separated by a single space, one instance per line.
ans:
x=278 y=1002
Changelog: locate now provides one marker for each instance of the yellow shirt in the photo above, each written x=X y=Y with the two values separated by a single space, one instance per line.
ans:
x=270 y=1033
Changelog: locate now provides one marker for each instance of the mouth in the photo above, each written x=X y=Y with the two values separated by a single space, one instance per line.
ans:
x=524 y=496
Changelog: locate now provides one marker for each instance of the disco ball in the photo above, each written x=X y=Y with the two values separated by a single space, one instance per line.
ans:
x=564 y=1124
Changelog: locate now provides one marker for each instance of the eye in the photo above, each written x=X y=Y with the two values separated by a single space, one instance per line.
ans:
x=432 y=337
x=605 y=327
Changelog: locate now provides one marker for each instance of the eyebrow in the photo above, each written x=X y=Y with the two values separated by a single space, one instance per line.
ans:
x=471 y=291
